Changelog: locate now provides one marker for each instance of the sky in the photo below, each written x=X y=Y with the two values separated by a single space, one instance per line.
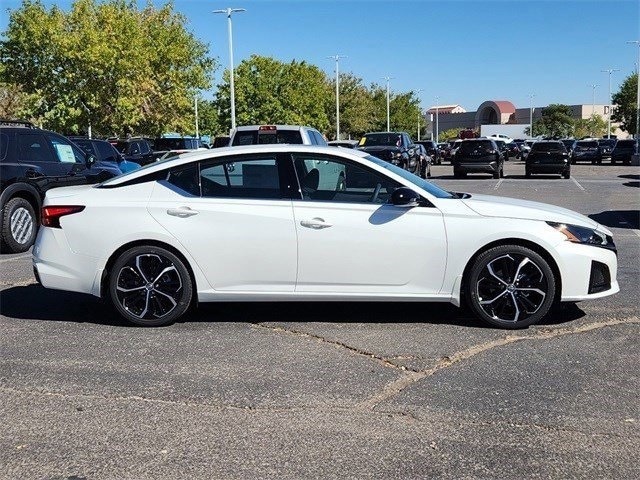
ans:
x=460 y=52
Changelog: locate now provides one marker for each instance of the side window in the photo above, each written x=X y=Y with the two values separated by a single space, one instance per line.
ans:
x=333 y=179
x=134 y=148
x=33 y=147
x=106 y=152
x=186 y=178
x=255 y=177
x=65 y=151
x=144 y=147
x=312 y=137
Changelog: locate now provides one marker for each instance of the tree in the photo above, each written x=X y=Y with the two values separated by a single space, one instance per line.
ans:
x=594 y=126
x=356 y=108
x=404 y=109
x=450 y=134
x=107 y=64
x=556 y=122
x=268 y=91
x=626 y=104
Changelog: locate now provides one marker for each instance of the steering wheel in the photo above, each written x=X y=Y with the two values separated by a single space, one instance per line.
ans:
x=376 y=192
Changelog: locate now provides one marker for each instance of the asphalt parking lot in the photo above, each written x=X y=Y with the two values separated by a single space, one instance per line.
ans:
x=332 y=390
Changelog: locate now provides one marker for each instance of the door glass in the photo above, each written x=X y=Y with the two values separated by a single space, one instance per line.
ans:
x=34 y=147
x=248 y=178
x=66 y=152
x=326 y=178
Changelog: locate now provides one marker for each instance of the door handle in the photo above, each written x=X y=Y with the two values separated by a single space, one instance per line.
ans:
x=315 y=223
x=182 y=212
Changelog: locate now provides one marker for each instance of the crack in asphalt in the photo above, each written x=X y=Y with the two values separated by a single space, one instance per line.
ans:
x=410 y=376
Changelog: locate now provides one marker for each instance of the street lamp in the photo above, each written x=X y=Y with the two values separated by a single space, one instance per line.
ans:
x=196 y=115
x=593 y=99
x=419 y=111
x=531 y=95
x=437 y=131
x=336 y=58
x=609 y=71
x=637 y=42
x=228 y=12
x=388 y=123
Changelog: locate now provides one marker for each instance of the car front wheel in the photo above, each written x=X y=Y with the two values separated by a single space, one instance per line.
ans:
x=510 y=286
x=150 y=286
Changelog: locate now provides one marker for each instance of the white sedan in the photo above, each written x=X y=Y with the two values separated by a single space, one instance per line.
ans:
x=293 y=222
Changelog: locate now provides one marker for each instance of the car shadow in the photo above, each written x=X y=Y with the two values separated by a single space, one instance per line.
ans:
x=34 y=302
x=632 y=184
x=618 y=218
x=535 y=177
x=630 y=177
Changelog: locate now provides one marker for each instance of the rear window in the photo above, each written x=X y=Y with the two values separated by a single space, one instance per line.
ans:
x=254 y=137
x=470 y=146
x=381 y=139
x=626 y=143
x=547 y=147
x=591 y=144
x=172 y=144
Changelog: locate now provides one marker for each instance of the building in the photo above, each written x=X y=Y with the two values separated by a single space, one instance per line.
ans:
x=502 y=112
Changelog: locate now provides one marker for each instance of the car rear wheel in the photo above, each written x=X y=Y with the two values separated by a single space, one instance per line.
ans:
x=566 y=174
x=150 y=286
x=19 y=225
x=510 y=286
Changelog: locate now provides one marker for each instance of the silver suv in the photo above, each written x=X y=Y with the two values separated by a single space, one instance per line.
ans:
x=268 y=134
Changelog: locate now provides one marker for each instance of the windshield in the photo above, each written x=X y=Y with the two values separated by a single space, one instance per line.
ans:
x=607 y=143
x=476 y=145
x=586 y=145
x=423 y=184
x=547 y=147
x=380 y=139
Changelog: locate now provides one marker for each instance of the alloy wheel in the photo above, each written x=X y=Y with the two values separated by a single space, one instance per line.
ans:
x=21 y=225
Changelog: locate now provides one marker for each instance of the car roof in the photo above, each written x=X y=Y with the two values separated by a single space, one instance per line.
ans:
x=278 y=127
x=207 y=154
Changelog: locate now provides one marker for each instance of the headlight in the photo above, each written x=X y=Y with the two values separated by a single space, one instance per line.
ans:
x=411 y=152
x=587 y=236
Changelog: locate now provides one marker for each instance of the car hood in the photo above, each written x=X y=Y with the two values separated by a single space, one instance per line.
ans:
x=491 y=206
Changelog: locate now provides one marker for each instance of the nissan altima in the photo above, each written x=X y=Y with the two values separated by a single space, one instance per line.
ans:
x=309 y=223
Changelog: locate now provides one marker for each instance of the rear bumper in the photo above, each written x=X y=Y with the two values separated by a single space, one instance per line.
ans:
x=56 y=266
x=548 y=167
x=479 y=167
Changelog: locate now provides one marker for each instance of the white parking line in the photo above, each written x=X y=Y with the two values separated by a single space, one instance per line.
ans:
x=15 y=258
x=576 y=182
x=498 y=184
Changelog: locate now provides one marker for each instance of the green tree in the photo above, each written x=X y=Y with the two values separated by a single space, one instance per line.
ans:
x=450 y=134
x=268 y=91
x=356 y=108
x=208 y=119
x=594 y=126
x=108 y=64
x=556 y=122
x=626 y=104
x=404 y=109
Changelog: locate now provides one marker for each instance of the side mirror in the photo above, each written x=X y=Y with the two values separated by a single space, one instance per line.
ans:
x=404 y=197
x=90 y=160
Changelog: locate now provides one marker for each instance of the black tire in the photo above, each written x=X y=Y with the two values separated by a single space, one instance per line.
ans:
x=566 y=174
x=158 y=283
x=459 y=174
x=527 y=173
x=496 y=174
x=519 y=283
x=19 y=226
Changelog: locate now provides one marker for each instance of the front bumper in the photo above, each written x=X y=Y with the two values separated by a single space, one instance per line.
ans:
x=587 y=272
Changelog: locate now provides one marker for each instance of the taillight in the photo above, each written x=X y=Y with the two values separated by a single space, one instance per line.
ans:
x=51 y=215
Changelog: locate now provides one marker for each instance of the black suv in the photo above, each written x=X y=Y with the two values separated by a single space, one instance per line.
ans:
x=432 y=150
x=623 y=151
x=588 y=150
x=393 y=147
x=548 y=157
x=480 y=155
x=136 y=150
x=31 y=162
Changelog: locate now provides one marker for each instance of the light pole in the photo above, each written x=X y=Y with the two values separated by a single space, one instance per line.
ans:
x=419 y=111
x=437 y=131
x=609 y=71
x=637 y=42
x=336 y=58
x=388 y=123
x=531 y=95
x=196 y=113
x=593 y=99
x=228 y=12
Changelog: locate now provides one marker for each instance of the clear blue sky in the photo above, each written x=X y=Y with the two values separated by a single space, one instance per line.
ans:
x=464 y=52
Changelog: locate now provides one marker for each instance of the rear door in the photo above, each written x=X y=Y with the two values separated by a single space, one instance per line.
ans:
x=233 y=215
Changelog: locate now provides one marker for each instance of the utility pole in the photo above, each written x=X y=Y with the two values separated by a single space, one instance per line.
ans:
x=228 y=12
x=609 y=71
x=388 y=123
x=593 y=98
x=419 y=111
x=637 y=42
x=437 y=131
x=196 y=112
x=336 y=58
x=531 y=95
